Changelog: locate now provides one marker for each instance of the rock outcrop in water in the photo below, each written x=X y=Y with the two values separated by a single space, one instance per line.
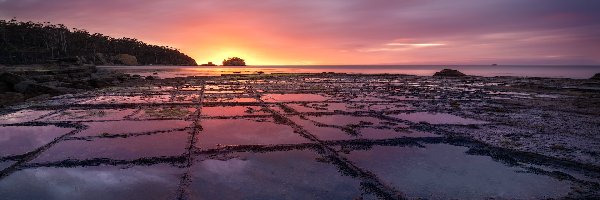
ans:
x=596 y=77
x=449 y=73
x=25 y=43
x=235 y=61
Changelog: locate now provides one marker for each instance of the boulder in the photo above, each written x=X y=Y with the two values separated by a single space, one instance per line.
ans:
x=31 y=89
x=596 y=77
x=43 y=78
x=449 y=73
x=39 y=98
x=10 y=98
x=11 y=78
x=99 y=82
x=4 y=87
x=125 y=59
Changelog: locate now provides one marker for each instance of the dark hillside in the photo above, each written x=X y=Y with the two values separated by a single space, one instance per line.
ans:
x=24 y=43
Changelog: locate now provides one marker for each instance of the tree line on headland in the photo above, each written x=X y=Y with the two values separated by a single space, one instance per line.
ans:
x=23 y=43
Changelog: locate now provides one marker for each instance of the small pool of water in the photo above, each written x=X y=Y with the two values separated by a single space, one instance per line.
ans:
x=94 y=183
x=17 y=140
x=441 y=171
x=130 y=148
x=276 y=175
x=224 y=132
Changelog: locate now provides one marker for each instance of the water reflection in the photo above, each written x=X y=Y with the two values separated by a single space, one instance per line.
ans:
x=441 y=171
x=16 y=140
x=102 y=182
x=156 y=145
x=275 y=175
x=245 y=132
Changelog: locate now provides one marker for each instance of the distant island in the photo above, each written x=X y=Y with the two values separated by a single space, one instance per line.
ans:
x=234 y=61
x=24 y=43
x=208 y=64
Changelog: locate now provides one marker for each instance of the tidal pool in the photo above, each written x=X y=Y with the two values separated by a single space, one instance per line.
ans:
x=125 y=127
x=224 y=132
x=334 y=133
x=95 y=183
x=274 y=175
x=6 y=164
x=16 y=140
x=130 y=148
x=441 y=171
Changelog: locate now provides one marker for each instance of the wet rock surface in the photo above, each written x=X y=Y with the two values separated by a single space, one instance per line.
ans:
x=308 y=136
x=37 y=82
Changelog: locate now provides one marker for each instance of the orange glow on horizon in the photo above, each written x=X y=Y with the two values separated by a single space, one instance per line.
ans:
x=338 y=33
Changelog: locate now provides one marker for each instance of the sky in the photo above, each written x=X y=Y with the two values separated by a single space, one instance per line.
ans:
x=339 y=32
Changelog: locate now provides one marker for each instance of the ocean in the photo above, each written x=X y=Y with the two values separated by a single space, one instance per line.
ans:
x=553 y=71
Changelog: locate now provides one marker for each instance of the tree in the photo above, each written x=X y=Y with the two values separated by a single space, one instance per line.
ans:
x=24 y=43
x=234 y=61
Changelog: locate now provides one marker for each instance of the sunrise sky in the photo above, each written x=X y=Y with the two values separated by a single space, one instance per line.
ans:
x=270 y=32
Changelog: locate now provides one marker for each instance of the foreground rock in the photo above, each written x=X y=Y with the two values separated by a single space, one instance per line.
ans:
x=449 y=73
x=596 y=77
x=36 y=82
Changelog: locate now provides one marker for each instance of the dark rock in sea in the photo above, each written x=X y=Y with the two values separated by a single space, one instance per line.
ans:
x=234 y=61
x=449 y=73
x=209 y=64
x=150 y=77
x=596 y=77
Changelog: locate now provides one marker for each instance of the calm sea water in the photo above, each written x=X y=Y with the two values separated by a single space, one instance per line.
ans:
x=555 y=71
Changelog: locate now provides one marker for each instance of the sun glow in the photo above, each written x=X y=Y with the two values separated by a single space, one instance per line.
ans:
x=217 y=56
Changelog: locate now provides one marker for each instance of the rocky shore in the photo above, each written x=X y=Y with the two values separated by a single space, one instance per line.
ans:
x=38 y=82
x=544 y=127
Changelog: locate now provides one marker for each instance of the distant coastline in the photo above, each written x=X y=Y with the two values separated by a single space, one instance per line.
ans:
x=25 y=43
